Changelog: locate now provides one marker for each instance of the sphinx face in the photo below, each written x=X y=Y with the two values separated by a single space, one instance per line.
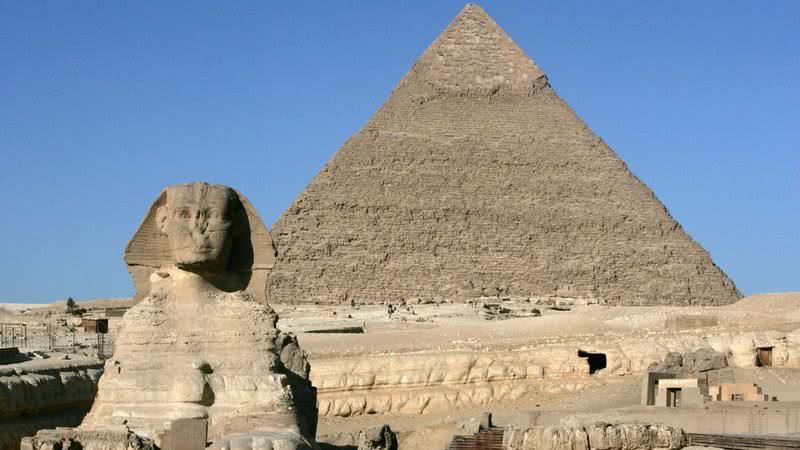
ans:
x=198 y=220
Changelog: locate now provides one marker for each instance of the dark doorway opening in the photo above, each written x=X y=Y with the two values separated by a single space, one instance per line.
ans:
x=673 y=397
x=597 y=361
x=764 y=357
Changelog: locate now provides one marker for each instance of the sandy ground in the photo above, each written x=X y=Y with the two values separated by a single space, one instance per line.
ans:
x=59 y=305
x=459 y=326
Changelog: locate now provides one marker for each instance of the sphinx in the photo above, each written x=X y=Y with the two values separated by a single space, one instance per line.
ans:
x=199 y=345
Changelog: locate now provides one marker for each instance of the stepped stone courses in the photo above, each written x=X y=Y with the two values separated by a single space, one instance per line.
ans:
x=475 y=178
x=42 y=394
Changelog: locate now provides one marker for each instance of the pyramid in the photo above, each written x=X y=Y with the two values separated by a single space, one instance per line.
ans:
x=474 y=179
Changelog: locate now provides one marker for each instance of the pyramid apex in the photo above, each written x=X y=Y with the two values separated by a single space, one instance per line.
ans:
x=474 y=54
x=474 y=7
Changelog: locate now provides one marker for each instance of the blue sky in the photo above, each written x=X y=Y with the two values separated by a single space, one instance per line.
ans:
x=104 y=103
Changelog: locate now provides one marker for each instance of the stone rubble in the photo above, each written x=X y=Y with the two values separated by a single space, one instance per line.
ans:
x=596 y=436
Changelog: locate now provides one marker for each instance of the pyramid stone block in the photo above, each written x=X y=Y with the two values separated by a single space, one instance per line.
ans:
x=475 y=178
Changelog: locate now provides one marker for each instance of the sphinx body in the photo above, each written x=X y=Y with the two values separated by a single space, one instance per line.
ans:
x=198 y=348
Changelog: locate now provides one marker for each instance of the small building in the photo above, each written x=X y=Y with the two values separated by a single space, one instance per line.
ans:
x=678 y=392
x=112 y=311
x=732 y=392
x=9 y=355
x=649 y=386
x=94 y=325
x=666 y=390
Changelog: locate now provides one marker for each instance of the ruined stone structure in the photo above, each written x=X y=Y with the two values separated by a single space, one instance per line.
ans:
x=475 y=178
x=631 y=436
x=44 y=393
x=425 y=382
x=197 y=347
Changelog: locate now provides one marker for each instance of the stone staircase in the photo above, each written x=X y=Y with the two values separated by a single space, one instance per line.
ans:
x=487 y=439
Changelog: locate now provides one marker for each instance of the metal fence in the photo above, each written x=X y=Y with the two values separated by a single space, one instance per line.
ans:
x=49 y=339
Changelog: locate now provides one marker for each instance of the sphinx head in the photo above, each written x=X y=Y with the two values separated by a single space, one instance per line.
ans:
x=200 y=222
x=209 y=229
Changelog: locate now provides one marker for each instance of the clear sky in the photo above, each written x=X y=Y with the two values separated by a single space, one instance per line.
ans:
x=104 y=103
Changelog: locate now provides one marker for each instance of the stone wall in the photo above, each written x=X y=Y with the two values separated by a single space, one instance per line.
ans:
x=426 y=382
x=723 y=417
x=44 y=394
x=622 y=436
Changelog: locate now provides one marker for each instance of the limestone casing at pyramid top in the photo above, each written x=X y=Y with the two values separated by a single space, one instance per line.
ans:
x=473 y=54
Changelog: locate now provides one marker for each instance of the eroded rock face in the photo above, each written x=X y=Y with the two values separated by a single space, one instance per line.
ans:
x=546 y=438
x=603 y=436
x=596 y=436
x=102 y=439
x=475 y=178
x=701 y=360
x=787 y=352
x=380 y=438
x=45 y=394
x=427 y=382
x=26 y=391
x=198 y=346
x=743 y=352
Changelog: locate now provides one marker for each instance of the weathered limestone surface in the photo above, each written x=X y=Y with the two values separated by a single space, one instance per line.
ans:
x=546 y=438
x=702 y=360
x=378 y=438
x=199 y=347
x=597 y=436
x=46 y=385
x=115 y=438
x=429 y=382
x=475 y=178
x=44 y=394
x=225 y=365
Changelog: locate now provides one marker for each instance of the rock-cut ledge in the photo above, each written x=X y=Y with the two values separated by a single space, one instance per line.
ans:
x=45 y=394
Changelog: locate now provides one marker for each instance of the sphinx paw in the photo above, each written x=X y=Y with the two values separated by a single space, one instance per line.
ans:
x=261 y=441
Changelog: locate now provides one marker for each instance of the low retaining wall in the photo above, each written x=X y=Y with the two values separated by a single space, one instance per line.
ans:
x=433 y=381
x=45 y=394
x=733 y=417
